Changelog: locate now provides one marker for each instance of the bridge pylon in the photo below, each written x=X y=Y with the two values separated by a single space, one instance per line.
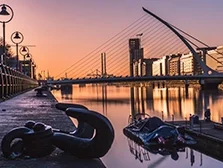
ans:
x=205 y=83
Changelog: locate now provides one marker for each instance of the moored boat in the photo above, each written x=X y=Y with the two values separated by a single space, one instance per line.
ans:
x=152 y=131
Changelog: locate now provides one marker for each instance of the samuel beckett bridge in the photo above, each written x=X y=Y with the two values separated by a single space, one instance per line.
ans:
x=145 y=51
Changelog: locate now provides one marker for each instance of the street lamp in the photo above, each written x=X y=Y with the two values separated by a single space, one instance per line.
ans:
x=24 y=51
x=6 y=17
x=30 y=68
x=17 y=38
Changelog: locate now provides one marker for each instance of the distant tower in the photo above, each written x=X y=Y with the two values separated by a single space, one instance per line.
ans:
x=135 y=54
x=103 y=65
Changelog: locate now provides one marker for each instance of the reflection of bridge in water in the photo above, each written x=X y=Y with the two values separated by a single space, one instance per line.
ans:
x=167 y=103
x=173 y=103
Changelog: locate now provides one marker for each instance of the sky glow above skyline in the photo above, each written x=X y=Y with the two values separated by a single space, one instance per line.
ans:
x=64 y=31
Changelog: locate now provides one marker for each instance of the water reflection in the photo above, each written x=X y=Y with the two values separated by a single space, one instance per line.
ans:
x=66 y=91
x=118 y=102
x=142 y=154
x=175 y=102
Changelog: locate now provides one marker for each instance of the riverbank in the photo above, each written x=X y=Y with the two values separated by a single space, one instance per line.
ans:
x=16 y=111
x=207 y=134
x=163 y=84
x=160 y=84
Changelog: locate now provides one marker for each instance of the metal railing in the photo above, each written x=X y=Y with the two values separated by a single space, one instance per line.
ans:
x=13 y=82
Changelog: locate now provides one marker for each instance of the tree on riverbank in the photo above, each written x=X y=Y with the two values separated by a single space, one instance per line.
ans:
x=8 y=49
x=10 y=56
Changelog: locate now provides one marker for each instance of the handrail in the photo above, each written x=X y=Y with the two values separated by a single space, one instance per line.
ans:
x=13 y=82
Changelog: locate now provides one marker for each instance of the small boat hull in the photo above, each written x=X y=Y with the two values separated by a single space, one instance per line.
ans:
x=151 y=132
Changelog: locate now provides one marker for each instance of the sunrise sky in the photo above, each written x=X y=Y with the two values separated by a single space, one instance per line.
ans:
x=66 y=30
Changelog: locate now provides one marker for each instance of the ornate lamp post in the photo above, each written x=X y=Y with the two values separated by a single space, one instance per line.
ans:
x=17 y=38
x=6 y=17
x=24 y=51
x=31 y=65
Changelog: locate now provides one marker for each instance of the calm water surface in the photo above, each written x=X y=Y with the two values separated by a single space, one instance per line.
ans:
x=118 y=102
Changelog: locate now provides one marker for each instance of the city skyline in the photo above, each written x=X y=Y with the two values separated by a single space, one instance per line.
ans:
x=67 y=31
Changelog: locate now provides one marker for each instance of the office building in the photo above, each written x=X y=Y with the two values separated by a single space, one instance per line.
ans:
x=160 y=66
x=216 y=54
x=189 y=65
x=135 y=54
x=147 y=70
x=174 y=64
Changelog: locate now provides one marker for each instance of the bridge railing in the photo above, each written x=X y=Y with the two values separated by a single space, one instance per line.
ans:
x=13 y=82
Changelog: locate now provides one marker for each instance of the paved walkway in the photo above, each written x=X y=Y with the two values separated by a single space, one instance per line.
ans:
x=205 y=128
x=16 y=111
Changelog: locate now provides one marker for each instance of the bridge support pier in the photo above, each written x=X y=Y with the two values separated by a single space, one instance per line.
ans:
x=163 y=84
x=186 y=84
x=186 y=88
x=210 y=84
x=153 y=85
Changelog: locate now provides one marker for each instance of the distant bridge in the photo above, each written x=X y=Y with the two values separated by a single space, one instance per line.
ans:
x=157 y=40
x=214 y=78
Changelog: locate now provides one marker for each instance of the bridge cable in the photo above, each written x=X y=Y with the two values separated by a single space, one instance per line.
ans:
x=119 y=41
x=105 y=42
x=109 y=43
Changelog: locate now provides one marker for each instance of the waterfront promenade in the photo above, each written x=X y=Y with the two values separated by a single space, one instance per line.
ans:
x=16 y=111
x=209 y=135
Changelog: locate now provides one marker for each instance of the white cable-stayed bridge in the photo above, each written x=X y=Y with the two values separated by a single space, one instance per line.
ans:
x=158 y=38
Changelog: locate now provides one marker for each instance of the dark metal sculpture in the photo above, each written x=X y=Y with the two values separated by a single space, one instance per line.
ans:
x=92 y=138
x=95 y=147
x=34 y=140
x=83 y=130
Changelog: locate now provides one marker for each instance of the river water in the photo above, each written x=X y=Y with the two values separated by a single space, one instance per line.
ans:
x=118 y=102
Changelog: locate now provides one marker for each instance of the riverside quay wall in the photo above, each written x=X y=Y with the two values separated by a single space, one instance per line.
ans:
x=14 y=112
x=13 y=82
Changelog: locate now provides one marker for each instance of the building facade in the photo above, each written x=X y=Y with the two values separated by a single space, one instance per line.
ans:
x=189 y=65
x=135 y=54
x=216 y=54
x=160 y=66
x=174 y=64
x=148 y=68
x=220 y=59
